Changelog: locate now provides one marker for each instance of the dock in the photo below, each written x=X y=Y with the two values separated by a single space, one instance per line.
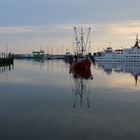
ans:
x=46 y=56
x=6 y=59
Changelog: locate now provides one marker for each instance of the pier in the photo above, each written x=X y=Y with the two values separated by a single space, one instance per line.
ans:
x=46 y=56
x=6 y=59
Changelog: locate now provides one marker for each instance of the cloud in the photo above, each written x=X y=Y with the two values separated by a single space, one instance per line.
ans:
x=129 y=28
x=103 y=32
x=124 y=27
x=15 y=30
x=30 y=37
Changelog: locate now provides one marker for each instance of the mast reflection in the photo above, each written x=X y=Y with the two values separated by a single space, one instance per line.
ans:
x=81 y=88
x=4 y=69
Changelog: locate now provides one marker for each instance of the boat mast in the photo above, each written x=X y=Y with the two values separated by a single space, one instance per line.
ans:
x=82 y=42
x=84 y=45
x=89 y=29
x=76 y=40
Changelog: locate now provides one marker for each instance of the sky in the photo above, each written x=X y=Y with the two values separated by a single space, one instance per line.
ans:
x=28 y=25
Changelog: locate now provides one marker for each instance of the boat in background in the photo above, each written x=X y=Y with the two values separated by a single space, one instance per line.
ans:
x=127 y=55
x=80 y=60
x=38 y=54
x=67 y=56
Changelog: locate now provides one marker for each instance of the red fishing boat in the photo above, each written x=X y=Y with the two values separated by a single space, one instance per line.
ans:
x=81 y=60
x=81 y=64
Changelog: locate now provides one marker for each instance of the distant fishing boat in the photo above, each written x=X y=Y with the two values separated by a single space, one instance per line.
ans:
x=67 y=56
x=81 y=60
x=38 y=54
x=131 y=54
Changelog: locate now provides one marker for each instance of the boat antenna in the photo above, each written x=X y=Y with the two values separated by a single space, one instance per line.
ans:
x=82 y=41
x=76 y=38
x=89 y=47
x=6 y=49
x=110 y=43
x=89 y=29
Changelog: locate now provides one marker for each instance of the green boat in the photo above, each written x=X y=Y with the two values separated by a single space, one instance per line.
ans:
x=38 y=54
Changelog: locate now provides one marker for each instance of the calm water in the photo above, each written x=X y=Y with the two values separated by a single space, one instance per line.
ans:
x=43 y=101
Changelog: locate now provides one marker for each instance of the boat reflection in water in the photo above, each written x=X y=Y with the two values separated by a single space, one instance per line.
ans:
x=121 y=67
x=81 y=88
x=5 y=69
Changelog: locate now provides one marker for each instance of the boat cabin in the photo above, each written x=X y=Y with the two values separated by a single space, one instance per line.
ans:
x=108 y=50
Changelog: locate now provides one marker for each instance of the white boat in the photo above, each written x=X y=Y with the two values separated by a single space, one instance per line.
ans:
x=129 y=54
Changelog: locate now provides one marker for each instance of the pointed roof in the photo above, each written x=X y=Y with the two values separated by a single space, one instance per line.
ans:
x=137 y=43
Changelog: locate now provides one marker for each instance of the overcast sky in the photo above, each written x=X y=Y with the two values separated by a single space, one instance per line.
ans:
x=29 y=24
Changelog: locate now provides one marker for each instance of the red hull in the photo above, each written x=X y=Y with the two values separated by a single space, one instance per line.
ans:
x=81 y=64
x=82 y=73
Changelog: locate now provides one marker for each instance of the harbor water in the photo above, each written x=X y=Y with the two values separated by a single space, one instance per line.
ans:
x=43 y=100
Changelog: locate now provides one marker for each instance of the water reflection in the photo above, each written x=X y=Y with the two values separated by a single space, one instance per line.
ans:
x=121 y=67
x=5 y=69
x=81 y=87
x=40 y=103
x=39 y=62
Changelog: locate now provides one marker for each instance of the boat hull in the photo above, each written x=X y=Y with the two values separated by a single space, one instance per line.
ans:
x=38 y=54
x=81 y=64
x=101 y=59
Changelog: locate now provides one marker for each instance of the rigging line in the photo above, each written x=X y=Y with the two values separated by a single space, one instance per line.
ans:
x=88 y=36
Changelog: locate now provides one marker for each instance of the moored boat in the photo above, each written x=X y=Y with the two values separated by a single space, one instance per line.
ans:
x=84 y=63
x=131 y=54
x=67 y=56
x=80 y=60
x=38 y=54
